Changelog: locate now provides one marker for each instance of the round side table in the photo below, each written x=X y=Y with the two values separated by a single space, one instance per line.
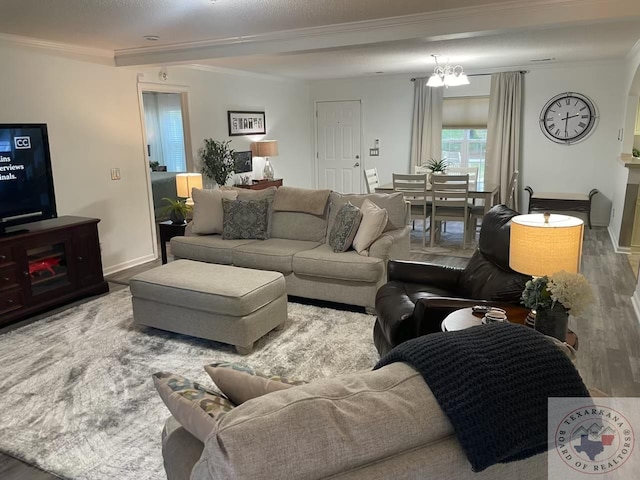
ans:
x=466 y=318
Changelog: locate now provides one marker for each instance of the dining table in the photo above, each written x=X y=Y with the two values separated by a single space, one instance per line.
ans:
x=487 y=191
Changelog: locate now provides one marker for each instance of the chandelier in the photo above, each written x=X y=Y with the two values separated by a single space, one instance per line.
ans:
x=447 y=75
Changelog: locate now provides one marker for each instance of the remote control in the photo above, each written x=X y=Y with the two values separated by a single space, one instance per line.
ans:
x=481 y=308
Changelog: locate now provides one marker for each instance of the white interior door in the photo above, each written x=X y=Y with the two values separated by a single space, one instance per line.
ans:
x=338 y=144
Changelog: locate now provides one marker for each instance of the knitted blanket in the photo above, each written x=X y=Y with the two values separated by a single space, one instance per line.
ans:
x=493 y=381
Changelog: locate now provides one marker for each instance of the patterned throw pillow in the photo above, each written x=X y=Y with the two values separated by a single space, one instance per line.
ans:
x=194 y=406
x=245 y=219
x=241 y=383
x=345 y=227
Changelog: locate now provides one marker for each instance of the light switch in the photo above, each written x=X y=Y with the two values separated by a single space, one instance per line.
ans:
x=115 y=174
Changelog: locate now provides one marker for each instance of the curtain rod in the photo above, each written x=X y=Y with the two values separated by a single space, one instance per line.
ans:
x=523 y=72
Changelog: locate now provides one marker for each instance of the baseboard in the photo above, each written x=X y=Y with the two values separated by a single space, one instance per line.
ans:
x=615 y=242
x=128 y=264
x=635 y=301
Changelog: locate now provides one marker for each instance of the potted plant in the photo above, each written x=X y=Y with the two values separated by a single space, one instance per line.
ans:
x=438 y=166
x=177 y=209
x=553 y=297
x=217 y=160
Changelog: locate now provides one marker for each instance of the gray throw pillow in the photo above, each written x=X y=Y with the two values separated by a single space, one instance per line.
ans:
x=345 y=227
x=243 y=219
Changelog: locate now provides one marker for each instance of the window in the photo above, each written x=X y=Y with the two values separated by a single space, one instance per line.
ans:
x=464 y=131
x=465 y=147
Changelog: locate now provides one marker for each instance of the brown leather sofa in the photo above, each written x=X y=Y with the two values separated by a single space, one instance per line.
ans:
x=418 y=296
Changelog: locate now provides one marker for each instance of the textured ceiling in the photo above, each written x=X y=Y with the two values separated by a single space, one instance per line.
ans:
x=568 y=44
x=120 y=24
x=313 y=39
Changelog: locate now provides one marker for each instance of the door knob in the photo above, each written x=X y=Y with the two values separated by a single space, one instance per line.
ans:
x=357 y=164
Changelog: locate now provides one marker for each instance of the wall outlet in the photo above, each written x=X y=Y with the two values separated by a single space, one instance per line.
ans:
x=115 y=174
x=374 y=152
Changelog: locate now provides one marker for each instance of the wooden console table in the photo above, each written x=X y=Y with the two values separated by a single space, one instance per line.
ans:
x=572 y=202
x=262 y=184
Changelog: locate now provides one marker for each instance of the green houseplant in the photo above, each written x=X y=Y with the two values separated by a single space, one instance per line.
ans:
x=437 y=166
x=217 y=160
x=176 y=209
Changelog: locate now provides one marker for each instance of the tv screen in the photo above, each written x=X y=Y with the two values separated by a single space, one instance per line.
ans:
x=243 y=162
x=26 y=181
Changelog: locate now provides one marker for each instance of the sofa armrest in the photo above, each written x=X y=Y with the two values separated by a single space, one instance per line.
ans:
x=188 y=230
x=424 y=273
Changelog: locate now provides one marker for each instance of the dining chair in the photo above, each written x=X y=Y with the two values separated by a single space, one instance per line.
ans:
x=371 y=179
x=449 y=203
x=512 y=192
x=415 y=190
x=471 y=171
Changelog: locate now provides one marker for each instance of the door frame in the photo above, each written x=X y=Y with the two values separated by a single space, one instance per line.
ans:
x=186 y=127
x=316 y=153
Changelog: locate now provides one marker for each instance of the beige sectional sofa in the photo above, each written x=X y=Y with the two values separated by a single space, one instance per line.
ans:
x=382 y=424
x=297 y=247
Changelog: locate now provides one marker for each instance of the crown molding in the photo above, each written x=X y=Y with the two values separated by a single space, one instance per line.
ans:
x=20 y=41
x=239 y=73
x=441 y=25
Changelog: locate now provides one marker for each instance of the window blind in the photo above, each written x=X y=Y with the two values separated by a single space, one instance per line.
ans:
x=465 y=112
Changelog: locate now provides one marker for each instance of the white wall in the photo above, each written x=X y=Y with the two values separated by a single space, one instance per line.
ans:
x=288 y=116
x=546 y=166
x=93 y=116
x=94 y=125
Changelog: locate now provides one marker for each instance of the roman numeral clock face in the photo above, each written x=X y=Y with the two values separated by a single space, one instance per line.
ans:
x=568 y=118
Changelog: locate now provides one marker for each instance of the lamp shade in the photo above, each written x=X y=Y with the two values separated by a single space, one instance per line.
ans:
x=185 y=182
x=265 y=148
x=543 y=244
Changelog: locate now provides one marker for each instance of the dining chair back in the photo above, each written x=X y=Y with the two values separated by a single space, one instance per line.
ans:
x=512 y=192
x=449 y=202
x=372 y=181
x=416 y=191
x=471 y=171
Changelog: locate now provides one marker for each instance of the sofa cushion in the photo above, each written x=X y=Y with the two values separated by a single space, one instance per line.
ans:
x=325 y=427
x=290 y=199
x=345 y=228
x=241 y=383
x=298 y=226
x=273 y=254
x=393 y=203
x=206 y=248
x=194 y=406
x=245 y=219
x=207 y=210
x=373 y=223
x=323 y=262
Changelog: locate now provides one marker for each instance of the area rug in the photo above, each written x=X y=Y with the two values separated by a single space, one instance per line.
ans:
x=449 y=243
x=77 y=396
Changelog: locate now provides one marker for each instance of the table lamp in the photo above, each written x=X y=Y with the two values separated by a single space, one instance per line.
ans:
x=185 y=182
x=543 y=244
x=266 y=149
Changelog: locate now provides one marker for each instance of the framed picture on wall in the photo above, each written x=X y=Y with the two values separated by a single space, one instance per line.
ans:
x=246 y=123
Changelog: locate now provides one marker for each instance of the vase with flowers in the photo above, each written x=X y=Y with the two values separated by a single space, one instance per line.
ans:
x=555 y=296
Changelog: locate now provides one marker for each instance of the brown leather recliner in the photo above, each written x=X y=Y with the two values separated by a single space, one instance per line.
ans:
x=418 y=296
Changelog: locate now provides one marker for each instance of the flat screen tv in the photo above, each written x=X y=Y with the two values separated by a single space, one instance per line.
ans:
x=243 y=162
x=26 y=181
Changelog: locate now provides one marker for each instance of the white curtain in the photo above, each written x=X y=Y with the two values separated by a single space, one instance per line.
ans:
x=426 y=132
x=504 y=129
x=165 y=134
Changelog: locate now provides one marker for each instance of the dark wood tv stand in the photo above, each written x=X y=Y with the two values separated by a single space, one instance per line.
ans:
x=48 y=263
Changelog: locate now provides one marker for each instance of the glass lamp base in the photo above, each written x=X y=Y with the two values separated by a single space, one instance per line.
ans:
x=268 y=170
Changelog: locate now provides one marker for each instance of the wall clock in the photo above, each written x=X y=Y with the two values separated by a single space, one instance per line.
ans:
x=568 y=118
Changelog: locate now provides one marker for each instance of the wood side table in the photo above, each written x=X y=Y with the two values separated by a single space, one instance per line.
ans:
x=262 y=184
x=168 y=230
x=466 y=318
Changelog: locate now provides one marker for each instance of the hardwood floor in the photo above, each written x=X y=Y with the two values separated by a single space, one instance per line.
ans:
x=609 y=350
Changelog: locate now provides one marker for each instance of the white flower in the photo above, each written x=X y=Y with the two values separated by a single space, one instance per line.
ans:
x=571 y=290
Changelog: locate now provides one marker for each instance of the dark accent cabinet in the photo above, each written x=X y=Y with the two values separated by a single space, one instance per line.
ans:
x=47 y=264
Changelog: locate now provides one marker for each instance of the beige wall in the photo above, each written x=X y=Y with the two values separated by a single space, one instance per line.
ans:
x=93 y=116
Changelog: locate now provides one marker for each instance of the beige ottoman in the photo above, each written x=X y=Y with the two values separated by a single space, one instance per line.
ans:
x=218 y=302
